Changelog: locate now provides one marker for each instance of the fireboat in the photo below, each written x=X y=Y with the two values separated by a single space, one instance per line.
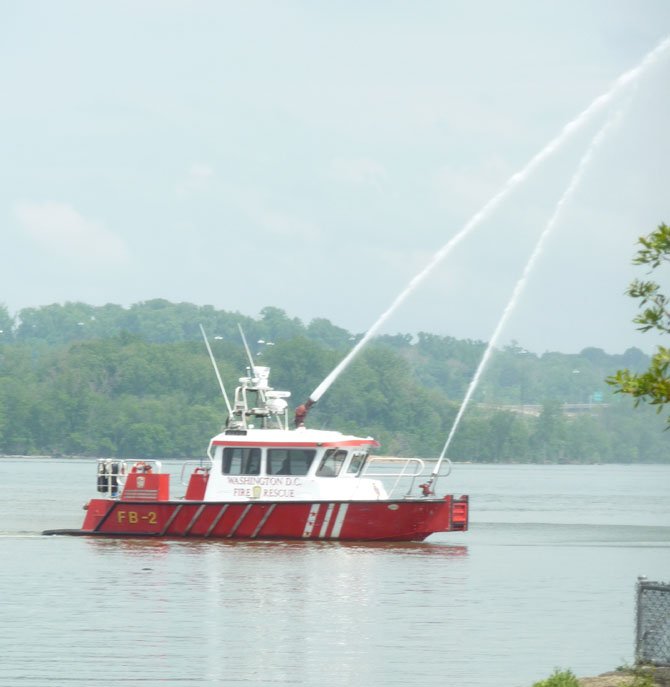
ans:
x=265 y=480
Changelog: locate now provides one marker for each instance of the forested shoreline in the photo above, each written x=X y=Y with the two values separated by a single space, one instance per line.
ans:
x=84 y=380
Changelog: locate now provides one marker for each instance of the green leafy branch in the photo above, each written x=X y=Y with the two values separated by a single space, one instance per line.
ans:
x=652 y=386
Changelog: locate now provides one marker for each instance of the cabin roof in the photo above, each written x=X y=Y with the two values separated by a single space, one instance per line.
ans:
x=299 y=438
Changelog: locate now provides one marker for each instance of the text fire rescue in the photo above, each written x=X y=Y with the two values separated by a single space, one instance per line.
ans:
x=255 y=487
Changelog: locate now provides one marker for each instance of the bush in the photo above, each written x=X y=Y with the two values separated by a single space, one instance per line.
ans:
x=559 y=678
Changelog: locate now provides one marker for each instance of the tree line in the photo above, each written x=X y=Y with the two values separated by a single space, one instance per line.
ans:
x=77 y=379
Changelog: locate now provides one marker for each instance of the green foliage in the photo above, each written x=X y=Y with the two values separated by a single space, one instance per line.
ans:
x=642 y=679
x=642 y=675
x=559 y=678
x=143 y=386
x=6 y=325
x=653 y=385
x=445 y=363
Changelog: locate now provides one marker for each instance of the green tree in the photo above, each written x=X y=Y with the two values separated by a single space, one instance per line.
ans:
x=548 y=440
x=653 y=385
x=6 y=325
x=276 y=325
x=326 y=333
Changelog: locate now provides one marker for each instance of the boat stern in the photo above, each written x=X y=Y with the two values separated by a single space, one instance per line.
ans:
x=96 y=512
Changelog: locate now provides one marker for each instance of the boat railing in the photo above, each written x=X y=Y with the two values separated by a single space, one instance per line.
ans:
x=111 y=476
x=148 y=465
x=404 y=470
x=443 y=470
x=187 y=468
x=112 y=473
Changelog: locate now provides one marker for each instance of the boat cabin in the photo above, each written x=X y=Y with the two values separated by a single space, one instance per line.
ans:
x=299 y=464
x=258 y=457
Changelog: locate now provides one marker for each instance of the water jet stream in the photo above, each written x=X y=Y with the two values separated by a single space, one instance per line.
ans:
x=518 y=288
x=599 y=104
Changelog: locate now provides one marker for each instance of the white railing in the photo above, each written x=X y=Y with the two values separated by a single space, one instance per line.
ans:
x=111 y=476
x=112 y=473
x=185 y=476
x=405 y=471
x=444 y=471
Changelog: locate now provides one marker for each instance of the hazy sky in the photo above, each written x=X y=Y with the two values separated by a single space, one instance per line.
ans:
x=314 y=155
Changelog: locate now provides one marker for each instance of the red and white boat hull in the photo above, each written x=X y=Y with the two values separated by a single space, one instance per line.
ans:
x=389 y=520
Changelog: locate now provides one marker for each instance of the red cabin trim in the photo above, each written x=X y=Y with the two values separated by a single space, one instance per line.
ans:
x=298 y=444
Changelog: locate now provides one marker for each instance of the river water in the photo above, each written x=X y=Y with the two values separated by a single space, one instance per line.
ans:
x=545 y=578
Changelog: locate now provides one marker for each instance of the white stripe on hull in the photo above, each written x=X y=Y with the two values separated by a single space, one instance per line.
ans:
x=311 y=519
x=326 y=520
x=339 y=520
x=339 y=511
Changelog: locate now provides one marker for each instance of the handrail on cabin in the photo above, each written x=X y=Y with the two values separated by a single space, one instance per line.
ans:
x=416 y=464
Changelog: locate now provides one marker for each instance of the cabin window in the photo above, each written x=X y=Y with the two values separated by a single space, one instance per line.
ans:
x=331 y=463
x=356 y=464
x=241 y=461
x=292 y=461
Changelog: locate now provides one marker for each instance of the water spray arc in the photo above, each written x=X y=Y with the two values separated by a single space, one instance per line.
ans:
x=570 y=129
x=521 y=283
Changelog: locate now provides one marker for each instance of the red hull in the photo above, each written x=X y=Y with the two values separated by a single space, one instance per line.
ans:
x=396 y=520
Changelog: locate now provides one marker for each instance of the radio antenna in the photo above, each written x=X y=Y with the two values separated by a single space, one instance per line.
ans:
x=246 y=348
x=216 y=370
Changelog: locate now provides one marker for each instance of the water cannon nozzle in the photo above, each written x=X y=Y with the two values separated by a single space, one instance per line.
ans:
x=301 y=412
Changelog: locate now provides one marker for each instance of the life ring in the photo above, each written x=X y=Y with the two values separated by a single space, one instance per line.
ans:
x=141 y=468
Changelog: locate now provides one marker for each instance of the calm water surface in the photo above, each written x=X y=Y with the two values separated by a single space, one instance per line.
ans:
x=544 y=578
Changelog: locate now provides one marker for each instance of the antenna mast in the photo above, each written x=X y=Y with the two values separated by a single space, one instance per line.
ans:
x=216 y=370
